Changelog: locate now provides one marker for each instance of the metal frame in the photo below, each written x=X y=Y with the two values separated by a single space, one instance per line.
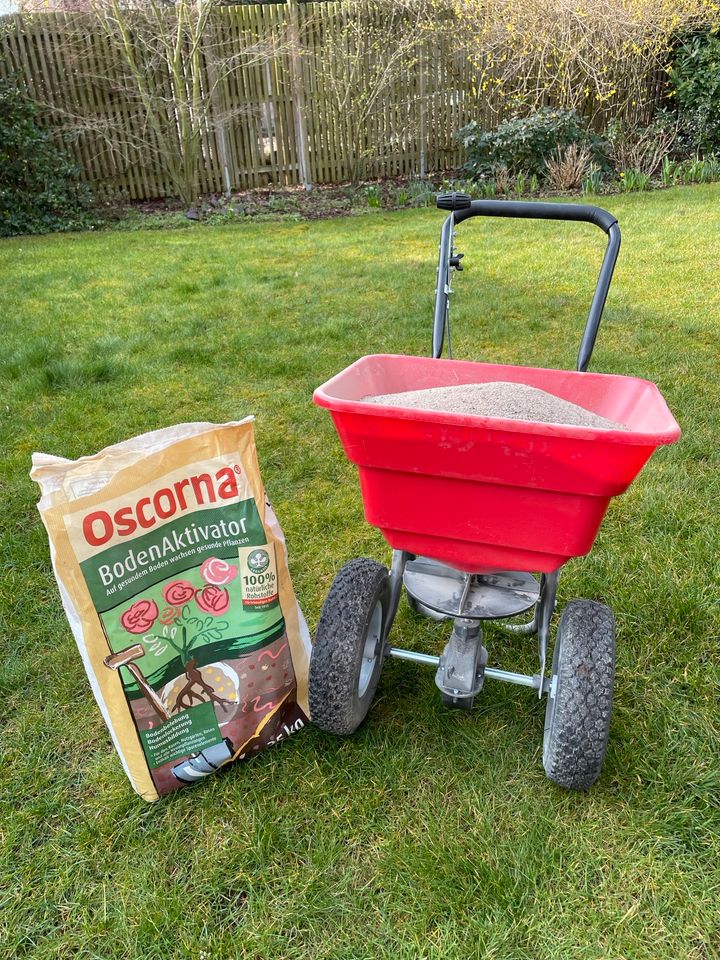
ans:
x=540 y=625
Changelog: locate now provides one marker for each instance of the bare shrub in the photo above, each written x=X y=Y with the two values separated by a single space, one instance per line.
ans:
x=175 y=56
x=368 y=51
x=502 y=179
x=640 y=148
x=568 y=166
x=593 y=56
x=161 y=66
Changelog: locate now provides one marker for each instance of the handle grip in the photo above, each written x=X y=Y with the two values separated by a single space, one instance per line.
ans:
x=453 y=201
x=534 y=210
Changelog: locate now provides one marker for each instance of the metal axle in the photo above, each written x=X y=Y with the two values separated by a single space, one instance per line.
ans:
x=427 y=659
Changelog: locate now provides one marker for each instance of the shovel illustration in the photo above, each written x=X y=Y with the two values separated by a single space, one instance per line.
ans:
x=203 y=763
x=127 y=658
x=198 y=765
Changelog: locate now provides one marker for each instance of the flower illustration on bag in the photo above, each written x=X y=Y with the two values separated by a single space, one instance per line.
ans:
x=140 y=617
x=218 y=572
x=213 y=599
x=190 y=620
x=178 y=592
x=169 y=615
x=181 y=627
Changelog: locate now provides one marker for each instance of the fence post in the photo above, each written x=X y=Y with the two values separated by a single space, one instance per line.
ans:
x=224 y=159
x=422 y=133
x=298 y=96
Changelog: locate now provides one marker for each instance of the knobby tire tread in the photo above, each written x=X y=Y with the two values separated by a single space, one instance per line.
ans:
x=578 y=734
x=339 y=639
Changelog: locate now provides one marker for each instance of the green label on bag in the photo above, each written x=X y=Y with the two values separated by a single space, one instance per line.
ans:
x=191 y=731
x=124 y=570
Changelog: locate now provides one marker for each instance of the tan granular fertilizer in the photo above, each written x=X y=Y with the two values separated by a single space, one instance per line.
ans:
x=510 y=401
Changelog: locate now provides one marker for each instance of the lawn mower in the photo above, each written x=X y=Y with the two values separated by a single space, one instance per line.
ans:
x=469 y=503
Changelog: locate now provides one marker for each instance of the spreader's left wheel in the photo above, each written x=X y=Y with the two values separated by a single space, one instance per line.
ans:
x=347 y=655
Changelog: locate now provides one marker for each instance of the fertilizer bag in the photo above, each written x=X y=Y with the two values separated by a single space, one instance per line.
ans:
x=173 y=574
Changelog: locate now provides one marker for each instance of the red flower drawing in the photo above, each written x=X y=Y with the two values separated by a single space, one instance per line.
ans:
x=213 y=599
x=140 y=616
x=217 y=571
x=178 y=592
x=169 y=615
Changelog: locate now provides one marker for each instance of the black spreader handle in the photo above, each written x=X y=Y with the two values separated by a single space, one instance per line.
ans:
x=462 y=208
x=534 y=210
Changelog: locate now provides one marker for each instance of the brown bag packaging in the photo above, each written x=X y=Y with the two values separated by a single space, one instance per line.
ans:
x=173 y=574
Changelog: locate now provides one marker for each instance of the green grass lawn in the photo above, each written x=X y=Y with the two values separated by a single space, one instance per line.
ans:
x=429 y=834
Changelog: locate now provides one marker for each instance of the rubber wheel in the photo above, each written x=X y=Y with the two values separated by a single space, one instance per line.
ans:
x=347 y=655
x=577 y=719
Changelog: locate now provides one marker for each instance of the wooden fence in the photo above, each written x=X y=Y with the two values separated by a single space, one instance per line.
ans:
x=335 y=99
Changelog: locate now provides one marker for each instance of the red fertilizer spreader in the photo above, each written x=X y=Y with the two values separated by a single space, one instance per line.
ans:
x=469 y=503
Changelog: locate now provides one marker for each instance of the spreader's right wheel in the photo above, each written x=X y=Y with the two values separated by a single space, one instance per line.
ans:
x=577 y=720
x=347 y=654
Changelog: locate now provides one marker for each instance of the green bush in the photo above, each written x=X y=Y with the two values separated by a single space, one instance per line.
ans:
x=524 y=144
x=40 y=190
x=695 y=88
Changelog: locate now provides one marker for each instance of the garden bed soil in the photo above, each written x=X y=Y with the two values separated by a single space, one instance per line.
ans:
x=265 y=710
x=322 y=202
